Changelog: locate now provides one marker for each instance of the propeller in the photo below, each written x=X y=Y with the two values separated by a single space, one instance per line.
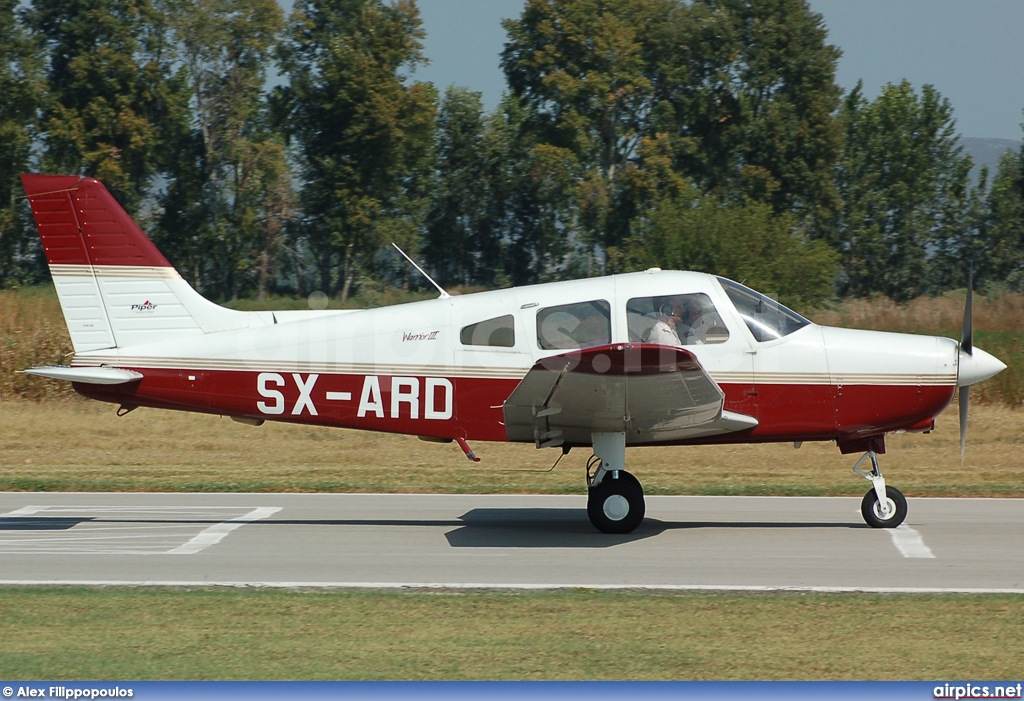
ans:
x=966 y=346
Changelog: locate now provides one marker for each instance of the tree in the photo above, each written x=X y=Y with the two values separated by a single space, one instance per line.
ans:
x=1003 y=230
x=363 y=136
x=579 y=67
x=454 y=246
x=20 y=76
x=750 y=97
x=110 y=90
x=229 y=186
x=748 y=243
x=738 y=96
x=903 y=182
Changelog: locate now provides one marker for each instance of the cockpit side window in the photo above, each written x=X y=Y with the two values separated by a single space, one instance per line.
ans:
x=572 y=326
x=675 y=320
x=767 y=319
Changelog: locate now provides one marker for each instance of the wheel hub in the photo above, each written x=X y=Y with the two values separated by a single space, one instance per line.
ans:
x=616 y=507
x=890 y=509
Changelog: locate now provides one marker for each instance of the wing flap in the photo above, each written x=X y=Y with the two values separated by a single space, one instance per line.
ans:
x=652 y=393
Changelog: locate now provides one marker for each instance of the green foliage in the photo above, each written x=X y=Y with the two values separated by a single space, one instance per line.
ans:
x=20 y=92
x=624 y=118
x=229 y=186
x=747 y=243
x=1002 y=231
x=748 y=97
x=110 y=90
x=903 y=184
x=455 y=236
x=635 y=97
x=363 y=136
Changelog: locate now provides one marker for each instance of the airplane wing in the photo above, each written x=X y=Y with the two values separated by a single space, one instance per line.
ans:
x=652 y=393
x=93 y=376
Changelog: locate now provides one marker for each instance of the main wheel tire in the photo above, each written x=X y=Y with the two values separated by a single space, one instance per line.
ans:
x=628 y=478
x=616 y=505
x=869 y=508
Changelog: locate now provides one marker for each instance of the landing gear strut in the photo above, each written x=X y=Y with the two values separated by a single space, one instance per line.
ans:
x=882 y=506
x=615 y=500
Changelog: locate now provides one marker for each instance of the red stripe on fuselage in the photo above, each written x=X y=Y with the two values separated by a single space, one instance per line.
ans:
x=786 y=412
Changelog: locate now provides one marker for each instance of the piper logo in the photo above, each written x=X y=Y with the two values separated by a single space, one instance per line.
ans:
x=146 y=306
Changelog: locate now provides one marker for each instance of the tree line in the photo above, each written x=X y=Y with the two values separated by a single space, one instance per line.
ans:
x=706 y=135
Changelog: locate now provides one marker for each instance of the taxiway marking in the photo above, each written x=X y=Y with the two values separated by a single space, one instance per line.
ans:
x=121 y=536
x=216 y=533
x=910 y=543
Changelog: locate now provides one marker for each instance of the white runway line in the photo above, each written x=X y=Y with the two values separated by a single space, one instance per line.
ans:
x=217 y=532
x=910 y=543
x=88 y=538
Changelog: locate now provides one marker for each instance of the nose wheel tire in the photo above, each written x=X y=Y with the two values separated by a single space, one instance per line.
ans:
x=616 y=505
x=871 y=510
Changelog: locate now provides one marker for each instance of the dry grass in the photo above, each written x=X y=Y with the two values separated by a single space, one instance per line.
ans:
x=998 y=328
x=80 y=445
x=32 y=332
x=930 y=315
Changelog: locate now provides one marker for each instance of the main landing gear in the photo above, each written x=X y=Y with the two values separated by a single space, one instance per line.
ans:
x=882 y=506
x=615 y=501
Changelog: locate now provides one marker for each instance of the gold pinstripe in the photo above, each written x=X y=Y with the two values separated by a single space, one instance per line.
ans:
x=133 y=272
x=328 y=368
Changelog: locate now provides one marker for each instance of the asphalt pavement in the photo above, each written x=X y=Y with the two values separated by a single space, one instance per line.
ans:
x=505 y=541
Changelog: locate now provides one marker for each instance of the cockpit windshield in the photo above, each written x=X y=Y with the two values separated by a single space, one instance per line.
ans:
x=767 y=319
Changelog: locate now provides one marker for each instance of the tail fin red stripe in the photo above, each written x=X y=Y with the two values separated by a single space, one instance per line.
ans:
x=80 y=223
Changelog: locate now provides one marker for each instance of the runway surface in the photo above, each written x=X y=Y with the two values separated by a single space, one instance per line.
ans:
x=502 y=541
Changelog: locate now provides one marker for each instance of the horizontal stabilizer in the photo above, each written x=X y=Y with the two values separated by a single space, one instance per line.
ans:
x=90 y=376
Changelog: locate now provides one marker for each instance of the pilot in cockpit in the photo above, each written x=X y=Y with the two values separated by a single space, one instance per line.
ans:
x=669 y=313
x=693 y=325
x=680 y=321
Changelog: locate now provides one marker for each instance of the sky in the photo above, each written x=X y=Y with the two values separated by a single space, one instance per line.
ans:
x=972 y=51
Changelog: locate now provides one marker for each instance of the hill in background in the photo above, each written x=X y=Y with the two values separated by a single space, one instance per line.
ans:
x=987 y=152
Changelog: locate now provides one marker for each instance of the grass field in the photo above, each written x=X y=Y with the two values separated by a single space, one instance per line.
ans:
x=219 y=634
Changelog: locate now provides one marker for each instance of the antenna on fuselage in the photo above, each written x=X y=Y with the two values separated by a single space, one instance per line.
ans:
x=444 y=295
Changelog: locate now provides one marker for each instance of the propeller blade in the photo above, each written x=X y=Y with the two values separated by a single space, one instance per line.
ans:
x=965 y=400
x=967 y=334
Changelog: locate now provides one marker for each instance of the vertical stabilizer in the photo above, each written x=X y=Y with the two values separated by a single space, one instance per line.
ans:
x=115 y=288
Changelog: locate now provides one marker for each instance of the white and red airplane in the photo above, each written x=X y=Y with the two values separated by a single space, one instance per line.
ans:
x=562 y=364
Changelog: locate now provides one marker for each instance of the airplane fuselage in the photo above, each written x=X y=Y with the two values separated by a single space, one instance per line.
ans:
x=408 y=369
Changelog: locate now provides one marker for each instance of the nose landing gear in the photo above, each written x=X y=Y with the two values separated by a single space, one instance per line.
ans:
x=882 y=506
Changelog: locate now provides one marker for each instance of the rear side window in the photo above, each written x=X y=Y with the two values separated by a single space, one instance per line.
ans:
x=573 y=326
x=499 y=332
